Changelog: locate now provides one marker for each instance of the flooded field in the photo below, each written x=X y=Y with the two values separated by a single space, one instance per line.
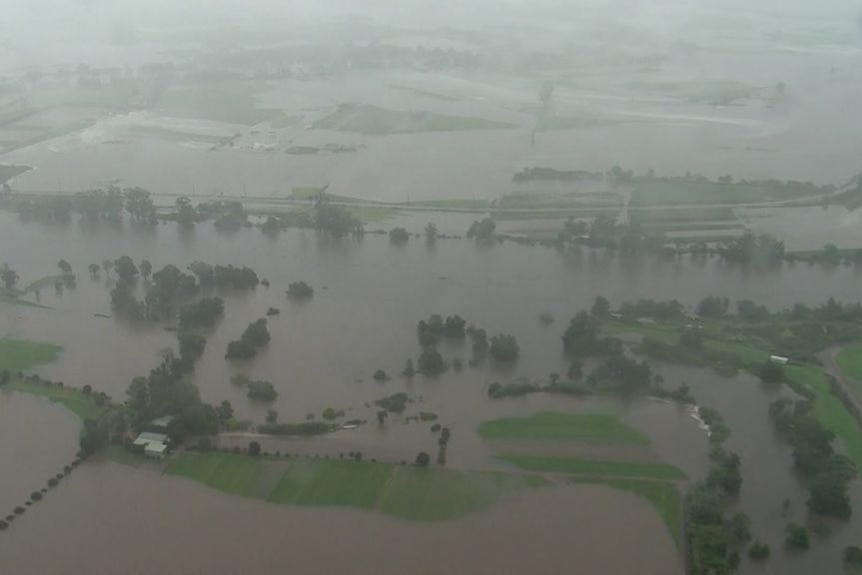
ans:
x=198 y=531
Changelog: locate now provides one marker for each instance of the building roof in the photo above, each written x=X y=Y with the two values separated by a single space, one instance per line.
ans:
x=147 y=437
x=163 y=421
x=156 y=447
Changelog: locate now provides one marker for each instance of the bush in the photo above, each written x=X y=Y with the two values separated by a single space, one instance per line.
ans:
x=853 y=556
x=423 y=459
x=299 y=290
x=35 y=496
x=380 y=375
x=262 y=390
x=395 y=403
x=772 y=372
x=398 y=235
x=431 y=362
x=504 y=348
x=3 y=525
x=758 y=551
x=240 y=349
x=254 y=448
x=797 y=537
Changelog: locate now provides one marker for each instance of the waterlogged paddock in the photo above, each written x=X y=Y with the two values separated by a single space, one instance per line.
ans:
x=530 y=532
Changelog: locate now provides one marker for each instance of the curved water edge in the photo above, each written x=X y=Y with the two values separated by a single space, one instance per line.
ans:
x=233 y=534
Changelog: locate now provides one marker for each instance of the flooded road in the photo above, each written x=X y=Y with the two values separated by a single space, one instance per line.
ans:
x=118 y=519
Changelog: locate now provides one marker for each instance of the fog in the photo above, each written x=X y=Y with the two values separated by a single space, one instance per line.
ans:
x=458 y=286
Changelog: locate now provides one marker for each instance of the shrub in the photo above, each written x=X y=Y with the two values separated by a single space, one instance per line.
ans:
x=254 y=448
x=398 y=235
x=758 y=551
x=380 y=375
x=504 y=348
x=299 y=290
x=772 y=372
x=423 y=459
x=853 y=556
x=797 y=537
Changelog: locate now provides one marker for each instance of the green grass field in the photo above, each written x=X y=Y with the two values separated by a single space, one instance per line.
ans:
x=593 y=427
x=438 y=494
x=19 y=354
x=654 y=192
x=596 y=468
x=405 y=492
x=829 y=409
x=371 y=120
x=357 y=484
x=664 y=496
x=235 y=474
x=79 y=403
x=849 y=361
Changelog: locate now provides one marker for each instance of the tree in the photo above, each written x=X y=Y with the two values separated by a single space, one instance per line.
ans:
x=240 y=349
x=739 y=527
x=408 y=369
x=423 y=459
x=185 y=211
x=139 y=205
x=771 y=372
x=146 y=269
x=601 y=307
x=254 y=448
x=453 y=327
x=398 y=236
x=262 y=390
x=853 y=556
x=9 y=276
x=271 y=416
x=431 y=362
x=483 y=230
x=126 y=268
x=431 y=233
x=299 y=290
x=65 y=267
x=758 y=551
x=382 y=414
x=380 y=375
x=582 y=335
x=797 y=537
x=94 y=270
x=504 y=348
x=224 y=411
x=692 y=339
x=713 y=306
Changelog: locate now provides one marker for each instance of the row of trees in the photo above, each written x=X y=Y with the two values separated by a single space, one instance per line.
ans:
x=106 y=204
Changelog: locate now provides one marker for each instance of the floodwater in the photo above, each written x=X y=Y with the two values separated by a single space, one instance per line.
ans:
x=37 y=438
x=767 y=471
x=369 y=294
x=171 y=525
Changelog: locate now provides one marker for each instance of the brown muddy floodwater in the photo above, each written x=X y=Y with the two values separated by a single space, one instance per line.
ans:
x=368 y=297
x=109 y=519
x=37 y=438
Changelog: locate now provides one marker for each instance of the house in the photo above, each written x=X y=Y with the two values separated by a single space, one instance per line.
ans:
x=779 y=359
x=153 y=444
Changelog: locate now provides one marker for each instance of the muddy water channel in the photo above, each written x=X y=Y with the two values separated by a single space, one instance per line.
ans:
x=368 y=297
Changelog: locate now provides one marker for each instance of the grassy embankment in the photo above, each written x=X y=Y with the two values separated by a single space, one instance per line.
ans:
x=679 y=191
x=18 y=355
x=651 y=480
x=400 y=491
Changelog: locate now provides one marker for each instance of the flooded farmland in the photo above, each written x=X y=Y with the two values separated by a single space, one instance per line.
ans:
x=505 y=164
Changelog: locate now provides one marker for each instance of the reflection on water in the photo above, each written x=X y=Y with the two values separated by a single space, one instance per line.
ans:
x=109 y=519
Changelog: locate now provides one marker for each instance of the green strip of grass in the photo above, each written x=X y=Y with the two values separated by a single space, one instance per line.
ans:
x=664 y=497
x=597 y=468
x=235 y=474
x=594 y=427
x=81 y=404
x=849 y=361
x=438 y=494
x=19 y=354
x=829 y=409
x=357 y=484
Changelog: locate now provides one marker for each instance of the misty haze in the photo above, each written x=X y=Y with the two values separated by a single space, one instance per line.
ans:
x=474 y=286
